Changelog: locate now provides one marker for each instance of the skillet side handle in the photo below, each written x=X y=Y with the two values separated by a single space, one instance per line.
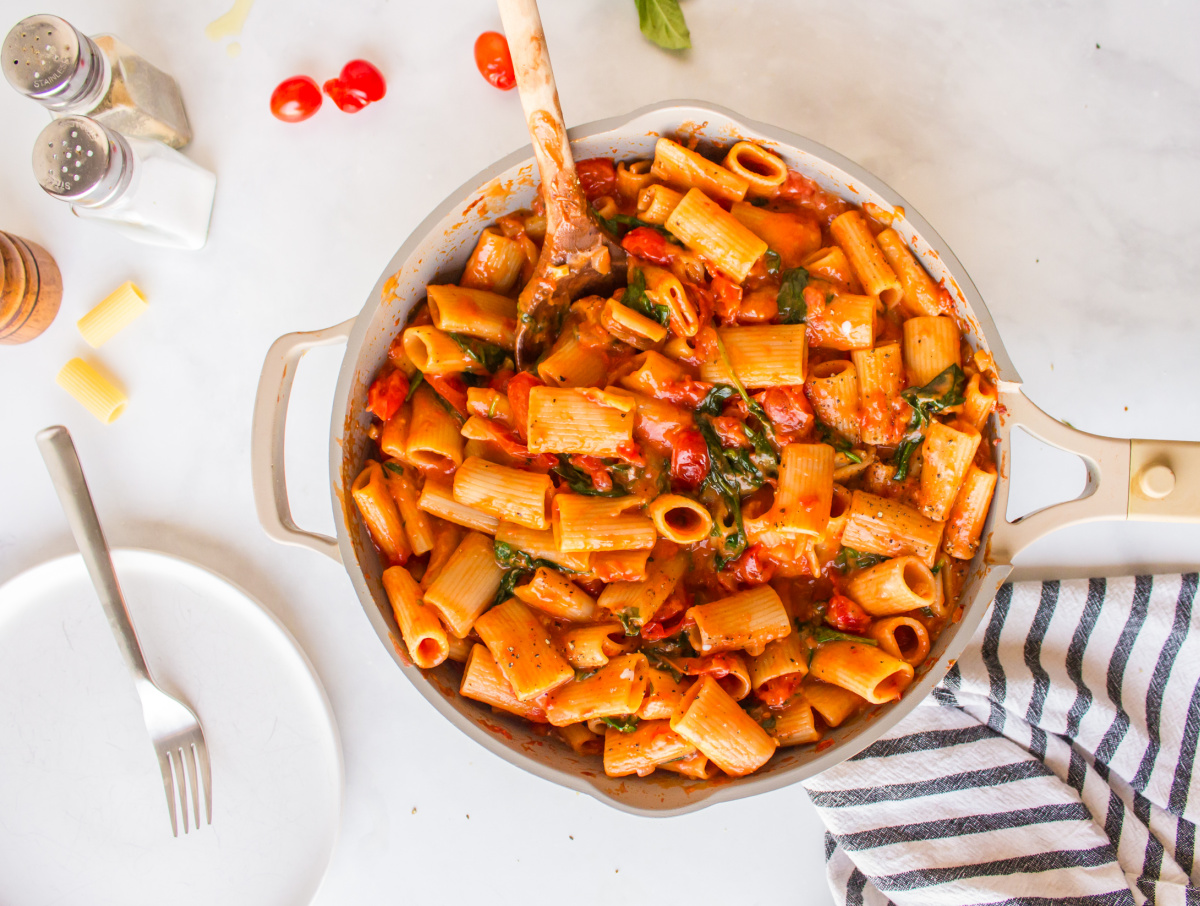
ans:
x=267 y=437
x=1164 y=483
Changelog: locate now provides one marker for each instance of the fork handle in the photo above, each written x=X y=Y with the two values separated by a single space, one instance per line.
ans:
x=67 y=474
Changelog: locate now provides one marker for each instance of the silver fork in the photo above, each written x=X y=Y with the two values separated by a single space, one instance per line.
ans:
x=173 y=727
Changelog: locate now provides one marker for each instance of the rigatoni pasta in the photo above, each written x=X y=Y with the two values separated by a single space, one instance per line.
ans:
x=727 y=509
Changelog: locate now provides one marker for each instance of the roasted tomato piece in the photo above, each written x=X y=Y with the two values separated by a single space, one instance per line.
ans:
x=644 y=242
x=689 y=458
x=387 y=394
x=846 y=615
x=597 y=176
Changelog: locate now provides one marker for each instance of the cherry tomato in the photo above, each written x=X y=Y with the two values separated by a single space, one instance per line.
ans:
x=295 y=99
x=776 y=692
x=727 y=297
x=644 y=242
x=386 y=394
x=349 y=100
x=452 y=388
x=689 y=458
x=364 y=77
x=753 y=567
x=788 y=408
x=597 y=176
x=846 y=615
x=596 y=470
x=668 y=619
x=518 y=399
x=494 y=61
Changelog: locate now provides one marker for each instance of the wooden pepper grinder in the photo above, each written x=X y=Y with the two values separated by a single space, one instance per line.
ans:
x=30 y=289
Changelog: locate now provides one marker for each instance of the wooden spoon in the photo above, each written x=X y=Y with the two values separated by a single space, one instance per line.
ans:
x=577 y=257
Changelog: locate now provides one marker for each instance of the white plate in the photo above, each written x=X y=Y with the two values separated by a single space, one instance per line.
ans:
x=83 y=816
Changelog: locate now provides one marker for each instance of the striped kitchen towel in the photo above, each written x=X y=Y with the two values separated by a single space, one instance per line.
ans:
x=1055 y=764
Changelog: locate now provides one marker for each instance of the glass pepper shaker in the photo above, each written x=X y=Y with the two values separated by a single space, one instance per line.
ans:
x=49 y=60
x=147 y=191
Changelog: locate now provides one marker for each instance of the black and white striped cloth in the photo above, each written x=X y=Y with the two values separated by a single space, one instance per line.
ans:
x=1055 y=764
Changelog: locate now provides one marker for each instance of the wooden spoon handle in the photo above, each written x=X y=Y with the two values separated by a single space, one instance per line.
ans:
x=539 y=94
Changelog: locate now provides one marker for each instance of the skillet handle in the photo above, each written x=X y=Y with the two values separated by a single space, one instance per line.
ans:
x=1126 y=479
x=267 y=437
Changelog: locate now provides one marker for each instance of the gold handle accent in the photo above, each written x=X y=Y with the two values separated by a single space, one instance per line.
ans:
x=1164 y=483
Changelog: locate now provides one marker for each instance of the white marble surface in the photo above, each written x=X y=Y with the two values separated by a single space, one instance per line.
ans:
x=1064 y=174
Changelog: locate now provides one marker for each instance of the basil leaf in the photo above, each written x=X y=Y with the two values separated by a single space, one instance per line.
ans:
x=620 y=224
x=792 y=307
x=903 y=457
x=490 y=356
x=626 y=724
x=723 y=481
x=635 y=297
x=417 y=382
x=825 y=634
x=627 y=617
x=835 y=440
x=848 y=558
x=662 y=22
x=714 y=400
x=581 y=483
x=772 y=261
x=941 y=393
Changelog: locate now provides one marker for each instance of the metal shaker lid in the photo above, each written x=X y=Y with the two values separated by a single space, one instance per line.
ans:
x=47 y=59
x=80 y=161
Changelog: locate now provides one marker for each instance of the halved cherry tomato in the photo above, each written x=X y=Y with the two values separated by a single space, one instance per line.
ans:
x=846 y=614
x=451 y=388
x=364 y=77
x=494 y=61
x=777 y=691
x=689 y=458
x=788 y=408
x=387 y=393
x=597 y=176
x=296 y=99
x=597 y=471
x=727 y=299
x=644 y=242
x=668 y=619
x=348 y=100
x=518 y=397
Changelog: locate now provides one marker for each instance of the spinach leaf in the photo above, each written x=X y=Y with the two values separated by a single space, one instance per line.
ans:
x=627 y=617
x=772 y=261
x=941 y=393
x=825 y=634
x=848 y=558
x=792 y=307
x=635 y=297
x=626 y=724
x=658 y=662
x=490 y=356
x=724 y=481
x=755 y=409
x=620 y=224
x=714 y=400
x=581 y=483
x=394 y=467
x=835 y=440
x=662 y=22
x=416 y=382
x=517 y=564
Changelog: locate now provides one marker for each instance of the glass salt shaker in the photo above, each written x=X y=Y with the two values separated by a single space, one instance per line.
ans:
x=49 y=60
x=146 y=190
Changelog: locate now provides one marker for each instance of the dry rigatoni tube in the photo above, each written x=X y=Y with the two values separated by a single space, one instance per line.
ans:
x=478 y=313
x=850 y=231
x=483 y=681
x=468 y=583
x=764 y=171
x=437 y=498
x=714 y=723
x=864 y=670
x=893 y=586
x=522 y=649
x=583 y=523
x=705 y=227
x=650 y=744
x=947 y=453
x=553 y=593
x=920 y=292
x=495 y=264
x=510 y=494
x=117 y=311
x=749 y=619
x=877 y=525
x=93 y=390
x=768 y=356
x=422 y=631
x=564 y=420
x=615 y=690
x=635 y=603
x=378 y=510
x=965 y=523
x=679 y=167
x=931 y=345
